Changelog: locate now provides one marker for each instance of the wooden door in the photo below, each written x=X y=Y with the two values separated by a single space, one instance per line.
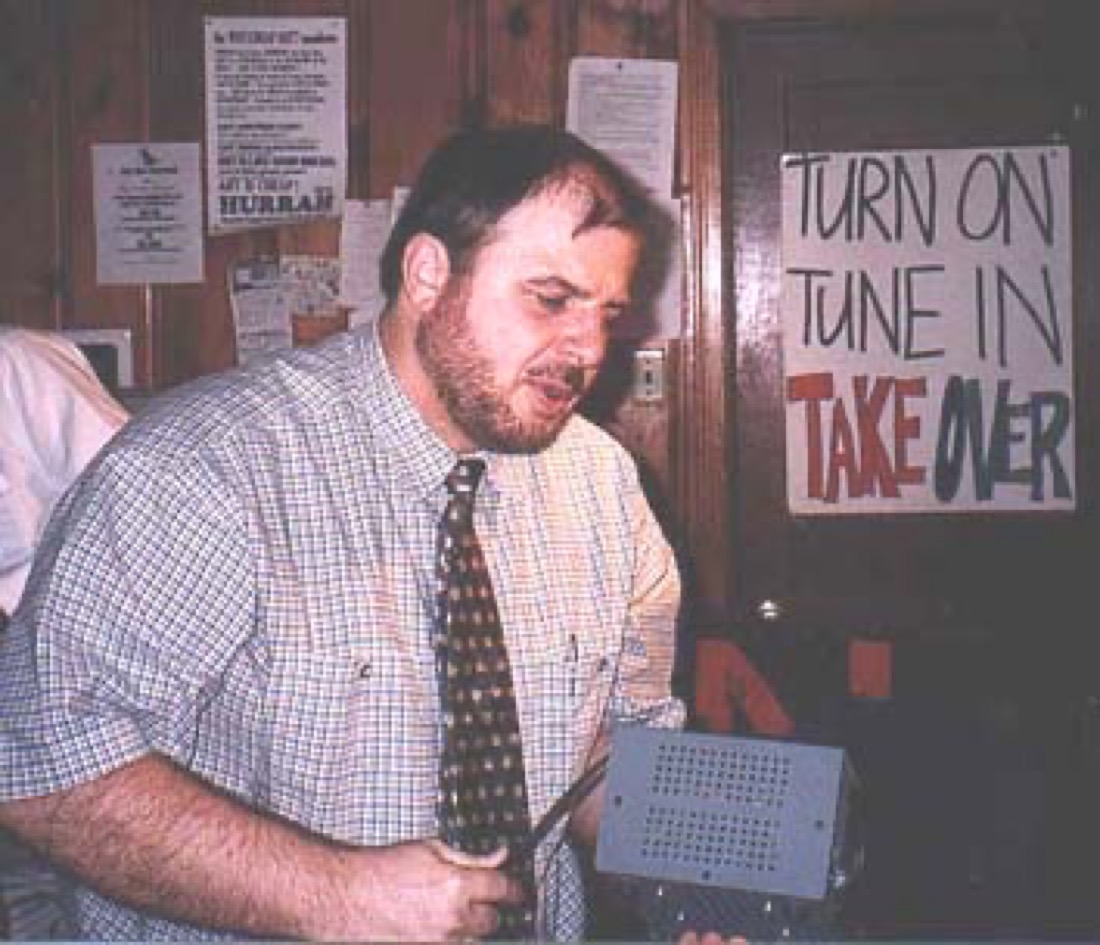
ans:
x=902 y=83
x=991 y=615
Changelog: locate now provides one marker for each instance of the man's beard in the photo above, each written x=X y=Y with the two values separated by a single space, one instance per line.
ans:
x=463 y=380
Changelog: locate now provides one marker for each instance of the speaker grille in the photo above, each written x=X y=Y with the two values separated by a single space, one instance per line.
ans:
x=710 y=840
x=741 y=773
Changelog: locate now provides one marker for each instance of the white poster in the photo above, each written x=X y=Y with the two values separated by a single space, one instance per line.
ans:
x=927 y=331
x=276 y=120
x=627 y=109
x=148 y=213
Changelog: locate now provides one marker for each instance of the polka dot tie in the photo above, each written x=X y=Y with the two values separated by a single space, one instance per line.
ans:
x=483 y=790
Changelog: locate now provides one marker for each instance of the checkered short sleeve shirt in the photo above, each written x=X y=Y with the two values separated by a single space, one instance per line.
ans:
x=244 y=584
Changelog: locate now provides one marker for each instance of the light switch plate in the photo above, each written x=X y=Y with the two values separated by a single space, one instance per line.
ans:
x=649 y=375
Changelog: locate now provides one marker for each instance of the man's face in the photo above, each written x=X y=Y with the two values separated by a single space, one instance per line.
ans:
x=512 y=346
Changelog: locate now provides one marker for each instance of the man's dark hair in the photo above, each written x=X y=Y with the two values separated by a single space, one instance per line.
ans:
x=475 y=177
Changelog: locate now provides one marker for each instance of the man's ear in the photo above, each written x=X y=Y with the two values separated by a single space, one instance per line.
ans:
x=425 y=268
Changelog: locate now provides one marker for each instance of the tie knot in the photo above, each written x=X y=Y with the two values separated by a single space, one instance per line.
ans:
x=462 y=480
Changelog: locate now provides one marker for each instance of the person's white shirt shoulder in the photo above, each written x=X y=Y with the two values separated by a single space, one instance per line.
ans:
x=55 y=415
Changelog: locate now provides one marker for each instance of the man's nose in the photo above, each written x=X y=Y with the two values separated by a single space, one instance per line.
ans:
x=586 y=335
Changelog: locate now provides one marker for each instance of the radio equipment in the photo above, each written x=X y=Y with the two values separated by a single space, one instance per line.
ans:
x=737 y=835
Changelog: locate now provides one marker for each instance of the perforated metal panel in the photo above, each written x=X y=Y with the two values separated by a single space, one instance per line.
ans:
x=744 y=813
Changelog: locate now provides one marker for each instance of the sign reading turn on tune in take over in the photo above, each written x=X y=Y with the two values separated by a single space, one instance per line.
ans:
x=927 y=331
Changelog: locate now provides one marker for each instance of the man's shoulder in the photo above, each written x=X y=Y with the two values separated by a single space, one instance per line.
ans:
x=22 y=346
x=582 y=435
x=288 y=391
x=585 y=452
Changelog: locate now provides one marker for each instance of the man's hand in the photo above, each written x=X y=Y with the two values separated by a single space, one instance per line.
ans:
x=163 y=842
x=709 y=938
x=422 y=891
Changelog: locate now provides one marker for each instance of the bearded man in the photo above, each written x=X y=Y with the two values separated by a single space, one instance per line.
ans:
x=233 y=703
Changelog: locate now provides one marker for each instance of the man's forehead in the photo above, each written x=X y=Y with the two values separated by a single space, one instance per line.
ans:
x=554 y=223
x=568 y=205
x=543 y=240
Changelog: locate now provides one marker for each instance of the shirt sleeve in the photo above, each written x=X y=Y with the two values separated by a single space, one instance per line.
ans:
x=54 y=417
x=138 y=601
x=643 y=691
x=63 y=413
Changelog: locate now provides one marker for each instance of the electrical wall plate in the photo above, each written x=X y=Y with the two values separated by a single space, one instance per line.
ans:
x=649 y=375
x=120 y=339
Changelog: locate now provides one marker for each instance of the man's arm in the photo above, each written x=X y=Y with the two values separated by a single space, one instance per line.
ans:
x=160 y=840
x=584 y=823
x=643 y=691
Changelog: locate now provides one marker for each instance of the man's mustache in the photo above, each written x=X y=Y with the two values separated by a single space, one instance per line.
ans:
x=574 y=376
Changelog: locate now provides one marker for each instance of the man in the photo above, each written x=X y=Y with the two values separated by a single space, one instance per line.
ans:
x=221 y=703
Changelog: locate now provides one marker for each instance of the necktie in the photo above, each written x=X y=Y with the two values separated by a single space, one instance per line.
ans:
x=483 y=789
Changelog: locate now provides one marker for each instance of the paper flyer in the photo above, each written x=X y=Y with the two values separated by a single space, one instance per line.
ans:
x=148 y=213
x=276 y=92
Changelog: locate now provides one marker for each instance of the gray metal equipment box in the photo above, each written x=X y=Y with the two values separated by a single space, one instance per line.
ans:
x=735 y=812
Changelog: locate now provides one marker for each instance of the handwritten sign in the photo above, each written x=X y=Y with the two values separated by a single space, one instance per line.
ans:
x=927 y=331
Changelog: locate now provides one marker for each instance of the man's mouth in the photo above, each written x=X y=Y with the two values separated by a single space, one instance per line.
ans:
x=558 y=385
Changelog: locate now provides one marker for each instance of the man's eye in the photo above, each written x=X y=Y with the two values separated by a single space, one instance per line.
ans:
x=553 y=303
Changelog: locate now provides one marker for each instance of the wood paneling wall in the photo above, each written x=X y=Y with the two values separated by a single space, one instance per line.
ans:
x=77 y=72
x=31 y=280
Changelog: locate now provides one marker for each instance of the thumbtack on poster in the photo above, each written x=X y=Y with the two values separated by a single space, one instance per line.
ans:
x=627 y=108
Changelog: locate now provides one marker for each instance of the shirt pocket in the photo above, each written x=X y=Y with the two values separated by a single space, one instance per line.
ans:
x=563 y=692
x=354 y=736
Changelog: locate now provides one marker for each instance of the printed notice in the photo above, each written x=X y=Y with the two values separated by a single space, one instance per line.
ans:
x=627 y=109
x=261 y=308
x=148 y=213
x=276 y=116
x=927 y=312
x=312 y=284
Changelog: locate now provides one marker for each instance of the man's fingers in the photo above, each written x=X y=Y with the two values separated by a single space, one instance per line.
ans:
x=491 y=886
x=709 y=938
x=485 y=882
x=488 y=861
x=483 y=921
